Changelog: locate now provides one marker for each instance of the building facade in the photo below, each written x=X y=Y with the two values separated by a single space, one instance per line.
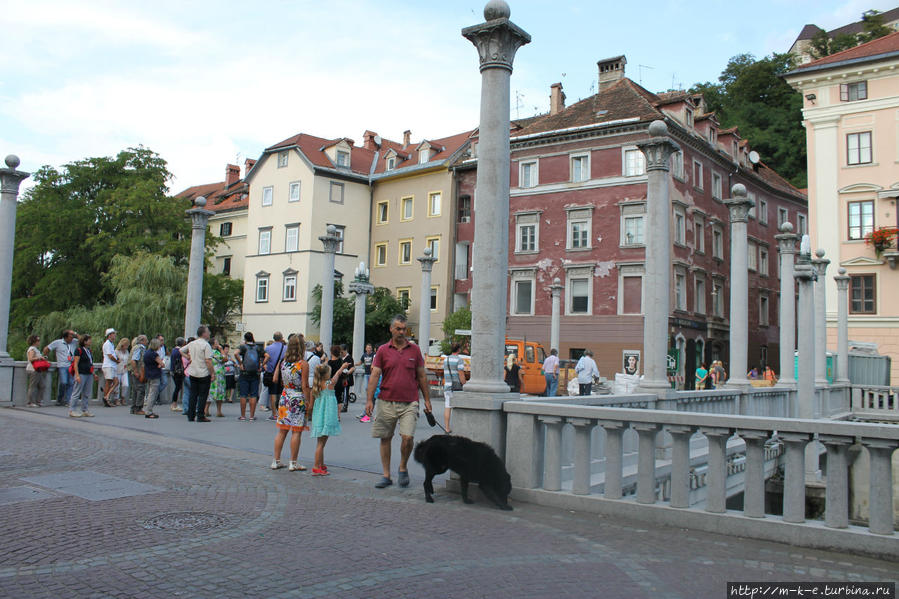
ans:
x=851 y=112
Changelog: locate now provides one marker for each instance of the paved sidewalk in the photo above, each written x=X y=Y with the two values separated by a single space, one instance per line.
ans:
x=183 y=518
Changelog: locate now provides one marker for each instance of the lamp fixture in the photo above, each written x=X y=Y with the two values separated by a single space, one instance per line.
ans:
x=811 y=97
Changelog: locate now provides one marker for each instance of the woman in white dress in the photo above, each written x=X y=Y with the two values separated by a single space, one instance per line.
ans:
x=123 y=353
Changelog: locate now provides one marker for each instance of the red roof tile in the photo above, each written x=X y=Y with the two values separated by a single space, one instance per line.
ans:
x=313 y=148
x=449 y=146
x=218 y=197
x=873 y=49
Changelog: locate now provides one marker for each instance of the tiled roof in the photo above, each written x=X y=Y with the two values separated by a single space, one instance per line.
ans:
x=219 y=198
x=859 y=26
x=449 y=147
x=808 y=32
x=313 y=148
x=774 y=180
x=873 y=49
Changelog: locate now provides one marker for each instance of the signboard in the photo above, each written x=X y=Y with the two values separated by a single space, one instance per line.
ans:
x=672 y=361
x=460 y=332
x=630 y=361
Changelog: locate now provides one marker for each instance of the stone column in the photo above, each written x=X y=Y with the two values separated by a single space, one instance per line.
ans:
x=10 y=179
x=820 y=263
x=657 y=280
x=424 y=306
x=496 y=40
x=786 y=245
x=739 y=206
x=362 y=288
x=842 y=280
x=806 y=274
x=556 y=291
x=331 y=241
x=193 y=309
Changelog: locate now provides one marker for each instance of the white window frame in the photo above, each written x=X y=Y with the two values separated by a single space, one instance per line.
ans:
x=262 y=289
x=295 y=229
x=752 y=255
x=343 y=159
x=579 y=274
x=717 y=298
x=534 y=179
x=290 y=284
x=282 y=158
x=402 y=243
x=584 y=160
x=631 y=270
x=859 y=149
x=587 y=220
x=863 y=228
x=764 y=260
x=763 y=211
x=523 y=221
x=679 y=221
x=764 y=310
x=635 y=167
x=340 y=231
x=335 y=185
x=699 y=233
x=408 y=293
x=717 y=248
x=680 y=290
x=801 y=224
x=432 y=242
x=699 y=295
x=411 y=201
x=268 y=194
x=378 y=246
x=677 y=165
x=434 y=298
x=698 y=180
x=293 y=192
x=431 y=205
x=717 y=186
x=424 y=156
x=783 y=215
x=522 y=276
x=391 y=163
x=386 y=219
x=265 y=241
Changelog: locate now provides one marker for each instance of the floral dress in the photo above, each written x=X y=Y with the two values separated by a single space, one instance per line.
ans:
x=217 y=387
x=292 y=405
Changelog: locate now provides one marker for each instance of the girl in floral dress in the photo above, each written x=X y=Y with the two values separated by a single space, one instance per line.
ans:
x=217 y=386
x=325 y=420
x=292 y=410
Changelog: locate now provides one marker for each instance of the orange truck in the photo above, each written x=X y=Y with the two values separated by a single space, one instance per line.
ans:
x=530 y=358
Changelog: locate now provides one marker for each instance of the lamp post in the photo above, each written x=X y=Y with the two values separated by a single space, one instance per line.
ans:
x=786 y=245
x=362 y=288
x=193 y=309
x=331 y=241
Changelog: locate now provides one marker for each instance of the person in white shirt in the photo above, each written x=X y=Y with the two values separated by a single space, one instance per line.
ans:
x=586 y=370
x=201 y=372
x=65 y=354
x=551 y=372
x=110 y=365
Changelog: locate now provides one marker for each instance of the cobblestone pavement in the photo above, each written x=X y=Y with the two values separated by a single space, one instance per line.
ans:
x=218 y=523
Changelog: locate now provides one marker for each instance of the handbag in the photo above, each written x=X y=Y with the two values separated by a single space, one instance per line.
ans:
x=40 y=365
x=268 y=378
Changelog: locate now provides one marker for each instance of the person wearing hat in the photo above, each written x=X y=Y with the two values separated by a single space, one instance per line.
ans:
x=110 y=365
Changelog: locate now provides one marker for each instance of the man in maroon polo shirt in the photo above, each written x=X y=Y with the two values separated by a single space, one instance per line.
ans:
x=401 y=370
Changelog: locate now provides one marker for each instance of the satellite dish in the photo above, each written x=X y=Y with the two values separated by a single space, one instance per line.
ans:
x=378 y=139
x=754 y=157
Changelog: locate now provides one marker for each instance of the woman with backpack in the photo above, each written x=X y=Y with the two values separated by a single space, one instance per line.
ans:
x=177 y=367
x=248 y=379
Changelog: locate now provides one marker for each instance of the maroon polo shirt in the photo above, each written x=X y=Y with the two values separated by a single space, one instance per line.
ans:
x=399 y=371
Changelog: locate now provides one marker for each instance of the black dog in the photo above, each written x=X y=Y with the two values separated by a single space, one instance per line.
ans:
x=471 y=460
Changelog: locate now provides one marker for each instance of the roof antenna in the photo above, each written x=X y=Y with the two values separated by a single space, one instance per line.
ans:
x=518 y=97
x=640 y=68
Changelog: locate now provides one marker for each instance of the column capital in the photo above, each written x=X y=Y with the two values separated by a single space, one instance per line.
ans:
x=331 y=240
x=549 y=419
x=427 y=261
x=579 y=422
x=820 y=263
x=747 y=434
x=842 y=280
x=361 y=288
x=658 y=148
x=739 y=204
x=804 y=271
x=680 y=429
x=786 y=239
x=199 y=217
x=836 y=439
x=498 y=38
x=556 y=288
x=716 y=431
x=10 y=178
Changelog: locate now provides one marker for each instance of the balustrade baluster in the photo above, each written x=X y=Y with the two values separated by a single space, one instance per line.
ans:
x=583 y=431
x=646 y=462
x=880 y=500
x=716 y=498
x=680 y=464
x=523 y=450
x=836 y=508
x=794 y=476
x=754 y=477
x=552 y=467
x=614 y=432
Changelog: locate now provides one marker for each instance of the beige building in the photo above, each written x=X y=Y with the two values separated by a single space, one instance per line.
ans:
x=851 y=112
x=412 y=209
x=296 y=189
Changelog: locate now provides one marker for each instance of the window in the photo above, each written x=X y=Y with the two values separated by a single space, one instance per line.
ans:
x=713 y=135
x=858 y=148
x=634 y=163
x=783 y=215
x=527 y=176
x=697 y=174
x=755 y=205
x=699 y=296
x=680 y=226
x=764 y=310
x=580 y=168
x=763 y=211
x=801 y=224
x=294 y=193
x=433 y=244
x=630 y=289
x=698 y=233
x=267 y=194
x=526 y=226
x=424 y=156
x=716 y=186
x=522 y=294
x=464 y=215
x=391 y=163
x=461 y=261
x=292 y=238
x=861 y=294
x=689 y=118
x=405 y=256
x=407 y=208
x=578 y=291
x=579 y=229
x=677 y=165
x=680 y=291
x=343 y=159
x=434 y=292
x=717 y=243
x=226 y=266
x=265 y=242
x=383 y=211
x=434 y=200
x=282 y=159
x=763 y=261
x=850 y=92
x=290 y=287
x=753 y=257
x=340 y=231
x=335 y=193
x=224 y=229
x=861 y=219
x=380 y=254
x=718 y=299
x=404 y=294
x=262 y=288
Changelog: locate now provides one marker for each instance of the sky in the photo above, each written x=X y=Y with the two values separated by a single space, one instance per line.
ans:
x=206 y=83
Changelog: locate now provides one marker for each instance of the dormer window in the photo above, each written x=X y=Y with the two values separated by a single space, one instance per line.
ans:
x=713 y=135
x=343 y=159
x=689 y=118
x=391 y=163
x=424 y=156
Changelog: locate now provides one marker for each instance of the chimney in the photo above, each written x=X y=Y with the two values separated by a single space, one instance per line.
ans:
x=556 y=98
x=407 y=138
x=232 y=174
x=248 y=164
x=371 y=141
x=611 y=70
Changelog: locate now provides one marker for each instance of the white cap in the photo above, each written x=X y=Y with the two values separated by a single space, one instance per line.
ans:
x=109 y=332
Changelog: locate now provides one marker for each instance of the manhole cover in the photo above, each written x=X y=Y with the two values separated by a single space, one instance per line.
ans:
x=184 y=521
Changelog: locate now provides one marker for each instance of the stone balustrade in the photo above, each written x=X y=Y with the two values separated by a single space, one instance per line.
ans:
x=95 y=392
x=533 y=450
x=875 y=402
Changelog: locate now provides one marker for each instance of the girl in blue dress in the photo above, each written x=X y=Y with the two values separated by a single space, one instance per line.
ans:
x=325 y=421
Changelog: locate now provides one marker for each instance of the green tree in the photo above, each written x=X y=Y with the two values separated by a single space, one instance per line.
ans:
x=222 y=303
x=75 y=220
x=752 y=95
x=873 y=27
x=380 y=308
x=460 y=319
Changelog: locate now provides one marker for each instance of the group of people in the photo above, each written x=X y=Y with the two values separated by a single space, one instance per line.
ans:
x=710 y=377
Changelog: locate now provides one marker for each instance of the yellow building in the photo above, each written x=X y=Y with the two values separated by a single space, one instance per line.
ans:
x=851 y=112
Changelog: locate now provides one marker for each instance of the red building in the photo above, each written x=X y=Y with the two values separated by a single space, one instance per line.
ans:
x=577 y=213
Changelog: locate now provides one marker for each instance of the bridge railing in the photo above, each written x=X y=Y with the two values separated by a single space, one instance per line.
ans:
x=875 y=401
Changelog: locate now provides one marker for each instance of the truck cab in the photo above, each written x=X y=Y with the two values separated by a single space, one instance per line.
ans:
x=530 y=357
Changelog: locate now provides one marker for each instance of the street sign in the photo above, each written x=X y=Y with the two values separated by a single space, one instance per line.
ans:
x=671 y=361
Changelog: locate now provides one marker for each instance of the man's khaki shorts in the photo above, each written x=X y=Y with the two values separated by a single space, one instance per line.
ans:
x=389 y=413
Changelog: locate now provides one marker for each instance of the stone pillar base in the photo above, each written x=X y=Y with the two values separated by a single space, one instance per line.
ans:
x=6 y=374
x=480 y=417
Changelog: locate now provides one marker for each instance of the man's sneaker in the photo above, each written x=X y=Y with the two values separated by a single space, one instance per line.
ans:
x=402 y=479
x=276 y=464
x=365 y=418
x=86 y=415
x=74 y=414
x=383 y=483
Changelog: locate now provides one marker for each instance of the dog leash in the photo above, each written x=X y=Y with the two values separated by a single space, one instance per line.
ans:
x=432 y=421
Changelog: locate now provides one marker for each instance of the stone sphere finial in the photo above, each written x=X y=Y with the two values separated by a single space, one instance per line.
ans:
x=658 y=129
x=786 y=227
x=738 y=190
x=331 y=230
x=200 y=201
x=557 y=281
x=427 y=252
x=842 y=271
x=12 y=161
x=497 y=9
x=819 y=252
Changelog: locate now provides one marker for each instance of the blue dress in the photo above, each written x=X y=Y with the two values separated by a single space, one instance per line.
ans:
x=324 y=415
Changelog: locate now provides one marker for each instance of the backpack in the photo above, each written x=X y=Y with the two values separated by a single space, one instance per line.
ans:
x=139 y=372
x=251 y=359
x=177 y=364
